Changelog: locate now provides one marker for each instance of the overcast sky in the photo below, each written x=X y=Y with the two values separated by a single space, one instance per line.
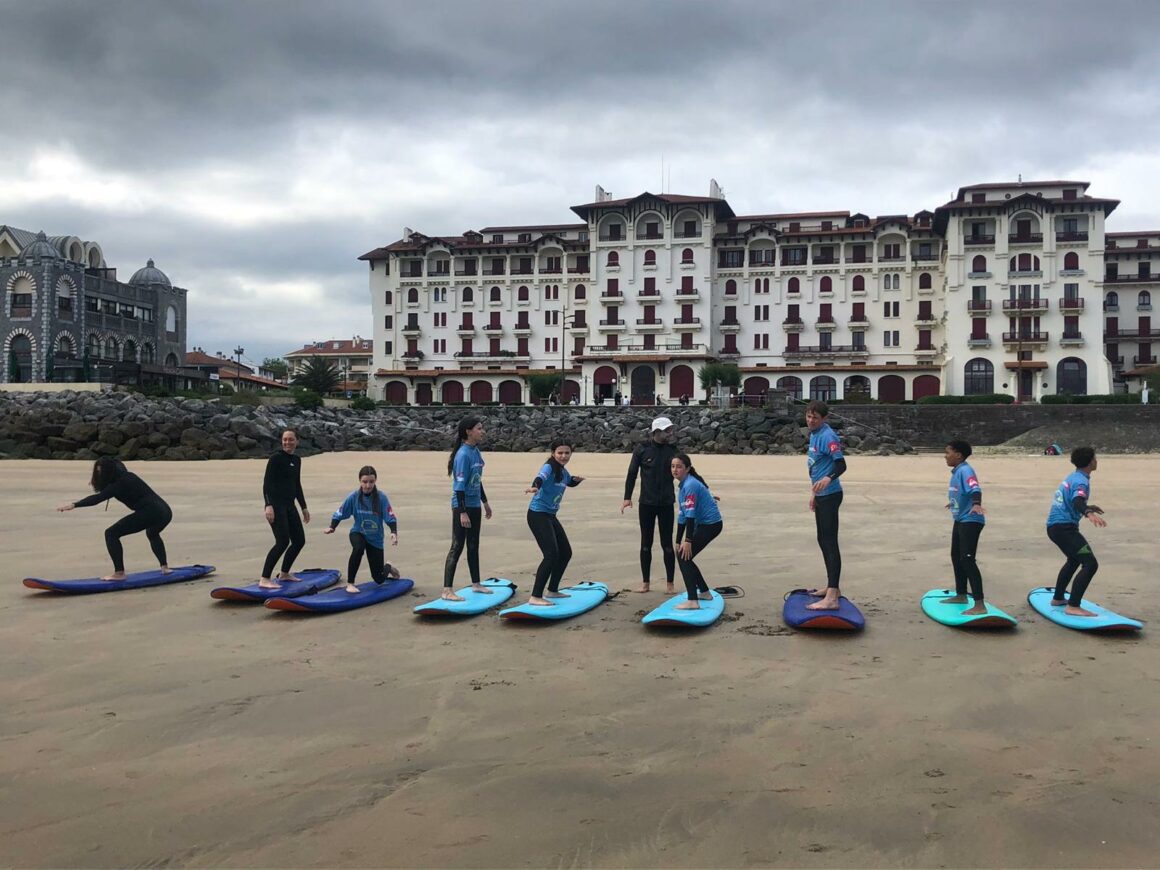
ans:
x=255 y=149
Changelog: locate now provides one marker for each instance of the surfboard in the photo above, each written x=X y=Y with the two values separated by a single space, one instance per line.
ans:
x=668 y=614
x=954 y=616
x=473 y=602
x=846 y=618
x=309 y=581
x=582 y=598
x=136 y=580
x=1105 y=620
x=338 y=600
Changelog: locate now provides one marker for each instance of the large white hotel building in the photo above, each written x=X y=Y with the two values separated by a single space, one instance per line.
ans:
x=1009 y=288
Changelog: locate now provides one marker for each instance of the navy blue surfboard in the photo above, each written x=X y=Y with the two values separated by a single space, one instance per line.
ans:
x=796 y=614
x=309 y=581
x=338 y=600
x=136 y=580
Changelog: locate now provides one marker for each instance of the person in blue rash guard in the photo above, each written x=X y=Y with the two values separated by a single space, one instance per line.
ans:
x=698 y=523
x=372 y=513
x=1069 y=506
x=826 y=463
x=468 y=505
x=965 y=502
x=548 y=488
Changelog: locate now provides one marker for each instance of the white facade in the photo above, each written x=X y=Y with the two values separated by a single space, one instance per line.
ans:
x=645 y=291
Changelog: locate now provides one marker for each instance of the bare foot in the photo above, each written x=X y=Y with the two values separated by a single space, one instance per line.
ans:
x=540 y=602
x=394 y=573
x=116 y=575
x=481 y=589
x=352 y=589
x=829 y=602
x=955 y=599
x=165 y=569
x=817 y=593
x=1078 y=611
x=287 y=578
x=449 y=595
x=1058 y=602
x=980 y=609
x=670 y=589
x=556 y=593
x=705 y=596
x=267 y=583
x=689 y=605
x=643 y=588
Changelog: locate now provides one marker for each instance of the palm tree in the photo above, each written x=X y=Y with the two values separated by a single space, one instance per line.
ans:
x=318 y=375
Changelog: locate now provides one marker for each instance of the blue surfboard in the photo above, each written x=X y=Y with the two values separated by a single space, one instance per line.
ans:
x=581 y=598
x=1104 y=620
x=137 y=580
x=668 y=614
x=796 y=615
x=338 y=600
x=955 y=616
x=309 y=581
x=473 y=602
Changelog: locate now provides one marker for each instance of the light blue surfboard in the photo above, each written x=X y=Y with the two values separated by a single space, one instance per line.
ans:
x=668 y=614
x=954 y=614
x=473 y=602
x=581 y=598
x=1104 y=620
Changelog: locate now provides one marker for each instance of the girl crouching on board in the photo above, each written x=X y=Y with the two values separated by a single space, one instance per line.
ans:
x=698 y=523
x=548 y=488
x=372 y=514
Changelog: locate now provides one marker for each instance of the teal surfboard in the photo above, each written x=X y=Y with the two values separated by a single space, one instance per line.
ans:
x=954 y=614
x=668 y=614
x=1104 y=620
x=473 y=602
x=581 y=598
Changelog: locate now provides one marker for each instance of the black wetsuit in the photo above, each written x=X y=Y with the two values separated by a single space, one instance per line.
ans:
x=1075 y=547
x=653 y=462
x=281 y=487
x=150 y=514
x=826 y=524
x=700 y=536
x=461 y=537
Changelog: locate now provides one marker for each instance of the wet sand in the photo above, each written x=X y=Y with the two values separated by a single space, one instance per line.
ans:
x=157 y=727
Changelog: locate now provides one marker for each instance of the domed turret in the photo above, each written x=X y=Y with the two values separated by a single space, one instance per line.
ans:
x=150 y=275
x=41 y=249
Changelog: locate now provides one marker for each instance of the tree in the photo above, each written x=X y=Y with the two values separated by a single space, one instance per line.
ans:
x=1153 y=382
x=318 y=376
x=542 y=386
x=276 y=367
x=725 y=374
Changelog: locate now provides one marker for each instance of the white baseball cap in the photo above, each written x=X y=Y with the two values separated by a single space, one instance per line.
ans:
x=660 y=424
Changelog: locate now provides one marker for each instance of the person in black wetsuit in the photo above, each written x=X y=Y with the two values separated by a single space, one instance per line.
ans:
x=281 y=487
x=111 y=479
x=652 y=460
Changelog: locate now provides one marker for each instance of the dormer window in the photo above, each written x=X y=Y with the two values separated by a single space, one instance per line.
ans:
x=1070 y=193
x=525 y=238
x=497 y=238
x=978 y=197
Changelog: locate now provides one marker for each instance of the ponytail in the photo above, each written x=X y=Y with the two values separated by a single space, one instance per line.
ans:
x=465 y=426
x=373 y=495
x=688 y=463
x=557 y=468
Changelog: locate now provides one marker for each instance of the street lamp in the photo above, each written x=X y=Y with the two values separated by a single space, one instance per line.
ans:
x=238 y=351
x=565 y=321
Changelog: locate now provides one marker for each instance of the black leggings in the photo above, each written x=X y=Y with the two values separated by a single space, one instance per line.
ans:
x=659 y=515
x=289 y=538
x=691 y=574
x=826 y=519
x=459 y=537
x=151 y=518
x=553 y=543
x=358 y=546
x=1079 y=555
x=964 y=548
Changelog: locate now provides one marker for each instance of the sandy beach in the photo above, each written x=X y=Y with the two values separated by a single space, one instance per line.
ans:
x=159 y=728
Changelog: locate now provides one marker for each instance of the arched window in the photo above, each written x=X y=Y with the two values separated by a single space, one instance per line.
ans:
x=1144 y=301
x=978 y=377
x=859 y=284
x=795 y=285
x=495 y=295
x=390 y=300
x=924 y=281
x=792 y=387
x=129 y=351
x=581 y=292
x=979 y=263
x=613 y=258
x=897 y=279
x=522 y=294
x=413 y=295
x=856 y=388
x=827 y=284
x=1071 y=261
x=111 y=349
x=171 y=360
x=756 y=285
x=1112 y=301
x=20 y=360
x=148 y=353
x=650 y=257
x=65 y=348
x=468 y=295
x=823 y=387
x=764 y=285
x=94 y=346
x=1071 y=377
x=687 y=256
x=730 y=287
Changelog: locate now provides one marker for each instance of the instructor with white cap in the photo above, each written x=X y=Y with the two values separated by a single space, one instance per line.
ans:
x=652 y=460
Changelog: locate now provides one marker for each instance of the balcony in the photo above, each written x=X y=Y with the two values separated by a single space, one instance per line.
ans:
x=978 y=276
x=523 y=270
x=793 y=263
x=522 y=328
x=611 y=298
x=613 y=325
x=439 y=271
x=978 y=240
x=668 y=348
x=493 y=330
x=1071 y=236
x=1113 y=334
x=834 y=350
x=924 y=258
x=898 y=258
x=611 y=238
x=729 y=353
x=1025 y=306
x=687 y=294
x=649 y=294
x=825 y=325
x=926 y=320
x=650 y=237
x=579 y=270
x=983 y=340
x=412 y=330
x=1071 y=339
x=730 y=325
x=731 y=264
x=826 y=261
x=762 y=263
x=926 y=351
x=1144 y=360
x=1025 y=238
x=649 y=324
x=578 y=327
x=465 y=330
x=979 y=306
x=1132 y=279
x=683 y=235
x=1074 y=303
x=686 y=324
x=1025 y=338
x=1025 y=273
x=1116 y=360
x=463 y=273
x=506 y=355
x=858 y=323
x=491 y=270
x=551 y=270
x=793 y=324
x=1143 y=306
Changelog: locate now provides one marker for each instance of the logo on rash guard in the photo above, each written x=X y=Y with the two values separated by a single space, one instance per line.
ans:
x=835 y=446
x=972 y=481
x=690 y=502
x=1080 y=492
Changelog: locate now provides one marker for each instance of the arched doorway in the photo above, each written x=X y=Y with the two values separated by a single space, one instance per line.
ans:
x=396 y=393
x=643 y=385
x=680 y=382
x=823 y=388
x=171 y=360
x=511 y=393
x=452 y=393
x=481 y=392
x=792 y=386
x=604 y=383
x=1071 y=376
x=891 y=388
x=20 y=360
x=978 y=377
x=754 y=389
x=926 y=385
x=423 y=394
x=856 y=388
x=571 y=391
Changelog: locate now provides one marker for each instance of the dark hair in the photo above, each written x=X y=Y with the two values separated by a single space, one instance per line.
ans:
x=1082 y=457
x=818 y=407
x=465 y=425
x=373 y=495
x=960 y=446
x=106 y=470
x=557 y=468
x=688 y=463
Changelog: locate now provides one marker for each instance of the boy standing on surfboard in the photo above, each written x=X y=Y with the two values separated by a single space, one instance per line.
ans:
x=1067 y=508
x=825 y=463
x=965 y=502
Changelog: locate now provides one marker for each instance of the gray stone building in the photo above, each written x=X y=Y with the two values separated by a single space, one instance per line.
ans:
x=65 y=317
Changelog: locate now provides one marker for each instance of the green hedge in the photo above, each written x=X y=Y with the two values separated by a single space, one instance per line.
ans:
x=985 y=399
x=1106 y=399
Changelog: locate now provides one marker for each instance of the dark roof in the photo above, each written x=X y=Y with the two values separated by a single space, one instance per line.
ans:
x=796 y=214
x=722 y=207
x=542 y=227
